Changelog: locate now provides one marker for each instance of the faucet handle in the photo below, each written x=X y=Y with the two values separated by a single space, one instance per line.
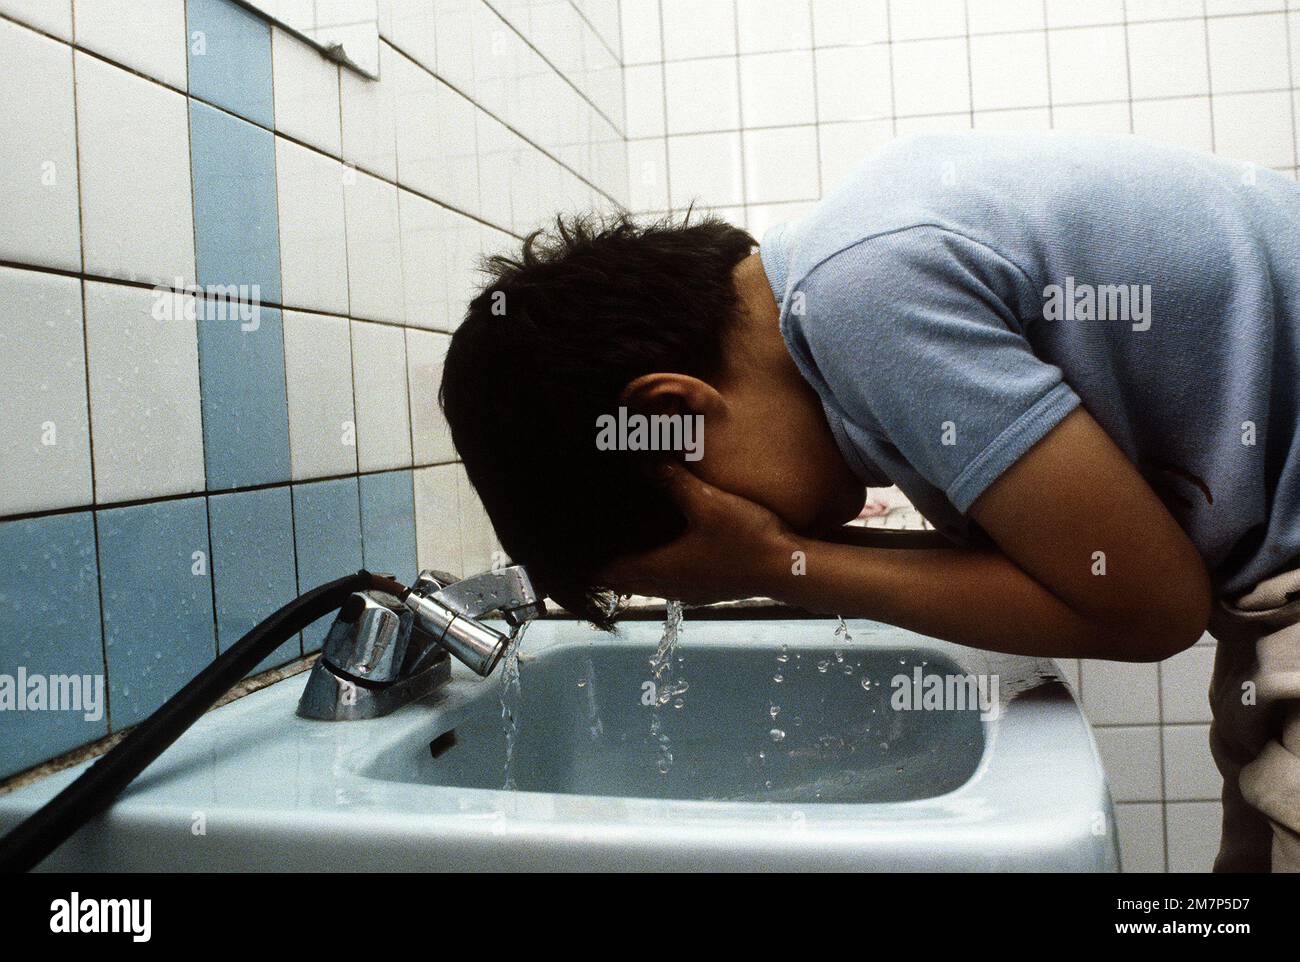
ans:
x=430 y=581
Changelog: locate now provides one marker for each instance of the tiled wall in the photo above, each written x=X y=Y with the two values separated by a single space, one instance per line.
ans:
x=169 y=481
x=755 y=107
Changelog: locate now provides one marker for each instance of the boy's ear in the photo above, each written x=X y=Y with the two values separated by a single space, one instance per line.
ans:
x=668 y=393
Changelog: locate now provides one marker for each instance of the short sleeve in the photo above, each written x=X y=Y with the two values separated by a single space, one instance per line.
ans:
x=916 y=334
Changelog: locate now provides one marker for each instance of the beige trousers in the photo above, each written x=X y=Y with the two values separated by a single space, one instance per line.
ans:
x=1255 y=737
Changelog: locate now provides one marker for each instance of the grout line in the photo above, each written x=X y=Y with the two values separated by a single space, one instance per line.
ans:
x=1209 y=78
x=1047 y=54
x=970 y=66
x=740 y=111
x=663 y=86
x=1128 y=65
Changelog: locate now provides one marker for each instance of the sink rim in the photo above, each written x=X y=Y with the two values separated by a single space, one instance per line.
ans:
x=1001 y=800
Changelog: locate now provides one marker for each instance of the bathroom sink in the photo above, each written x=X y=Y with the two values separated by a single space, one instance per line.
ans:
x=764 y=745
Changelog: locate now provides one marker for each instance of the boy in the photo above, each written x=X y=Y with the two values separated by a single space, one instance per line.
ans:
x=1079 y=358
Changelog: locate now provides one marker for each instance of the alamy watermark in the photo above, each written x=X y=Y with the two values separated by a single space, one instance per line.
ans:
x=927 y=691
x=651 y=432
x=38 y=692
x=213 y=302
x=1105 y=302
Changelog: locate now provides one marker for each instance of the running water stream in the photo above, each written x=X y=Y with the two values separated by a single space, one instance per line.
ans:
x=666 y=688
x=510 y=697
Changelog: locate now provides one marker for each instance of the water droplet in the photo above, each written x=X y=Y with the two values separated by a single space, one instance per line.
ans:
x=777 y=735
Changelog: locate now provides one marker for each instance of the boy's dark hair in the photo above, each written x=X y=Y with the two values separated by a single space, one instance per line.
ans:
x=546 y=348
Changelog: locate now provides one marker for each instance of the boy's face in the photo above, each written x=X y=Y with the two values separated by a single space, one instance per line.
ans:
x=775 y=448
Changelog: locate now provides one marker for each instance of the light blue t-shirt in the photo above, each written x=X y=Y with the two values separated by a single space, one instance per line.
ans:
x=960 y=294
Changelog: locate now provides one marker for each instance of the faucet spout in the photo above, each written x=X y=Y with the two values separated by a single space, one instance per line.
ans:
x=450 y=611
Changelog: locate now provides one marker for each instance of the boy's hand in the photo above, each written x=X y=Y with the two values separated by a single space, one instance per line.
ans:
x=732 y=548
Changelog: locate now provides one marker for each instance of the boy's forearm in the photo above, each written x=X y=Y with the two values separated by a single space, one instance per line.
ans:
x=976 y=598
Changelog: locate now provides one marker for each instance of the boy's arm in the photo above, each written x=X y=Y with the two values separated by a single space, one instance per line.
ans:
x=1090 y=562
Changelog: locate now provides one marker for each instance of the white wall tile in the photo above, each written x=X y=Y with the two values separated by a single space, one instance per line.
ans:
x=1185 y=685
x=853 y=83
x=1248 y=53
x=1120 y=693
x=437 y=521
x=1106 y=119
x=647 y=174
x=850 y=22
x=455 y=38
x=44 y=433
x=424 y=261
x=781 y=165
x=776 y=89
x=1131 y=756
x=318 y=378
x=374 y=248
x=436 y=138
x=313 y=232
x=1183 y=121
x=133 y=140
x=148 y=37
x=144 y=394
x=1190 y=772
x=306 y=93
x=996 y=16
x=382 y=405
x=413 y=28
x=50 y=16
x=1141 y=830
x=703 y=95
x=705 y=167
x=933 y=124
x=1088 y=65
x=1008 y=70
x=694 y=29
x=495 y=168
x=1168 y=59
x=759 y=218
x=844 y=147
x=1071 y=13
x=38 y=152
x=909 y=20
x=1027 y=118
x=1193 y=829
x=430 y=435
x=931 y=77
x=1255 y=128
x=1138 y=10
x=645 y=100
x=766 y=25
x=369 y=118
x=641 y=38
x=477 y=539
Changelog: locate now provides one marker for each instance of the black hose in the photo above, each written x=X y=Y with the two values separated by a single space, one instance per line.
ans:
x=94 y=791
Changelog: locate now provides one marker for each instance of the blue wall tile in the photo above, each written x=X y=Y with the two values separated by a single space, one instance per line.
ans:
x=49 y=625
x=155 y=575
x=245 y=412
x=327 y=531
x=252 y=564
x=234 y=68
x=388 y=523
x=236 y=219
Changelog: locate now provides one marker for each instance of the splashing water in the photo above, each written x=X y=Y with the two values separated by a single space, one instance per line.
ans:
x=510 y=697
x=666 y=688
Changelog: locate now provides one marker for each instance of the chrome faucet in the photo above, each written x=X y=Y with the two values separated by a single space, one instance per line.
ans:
x=385 y=650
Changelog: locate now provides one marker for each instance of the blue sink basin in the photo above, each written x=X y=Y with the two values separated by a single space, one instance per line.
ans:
x=788 y=748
